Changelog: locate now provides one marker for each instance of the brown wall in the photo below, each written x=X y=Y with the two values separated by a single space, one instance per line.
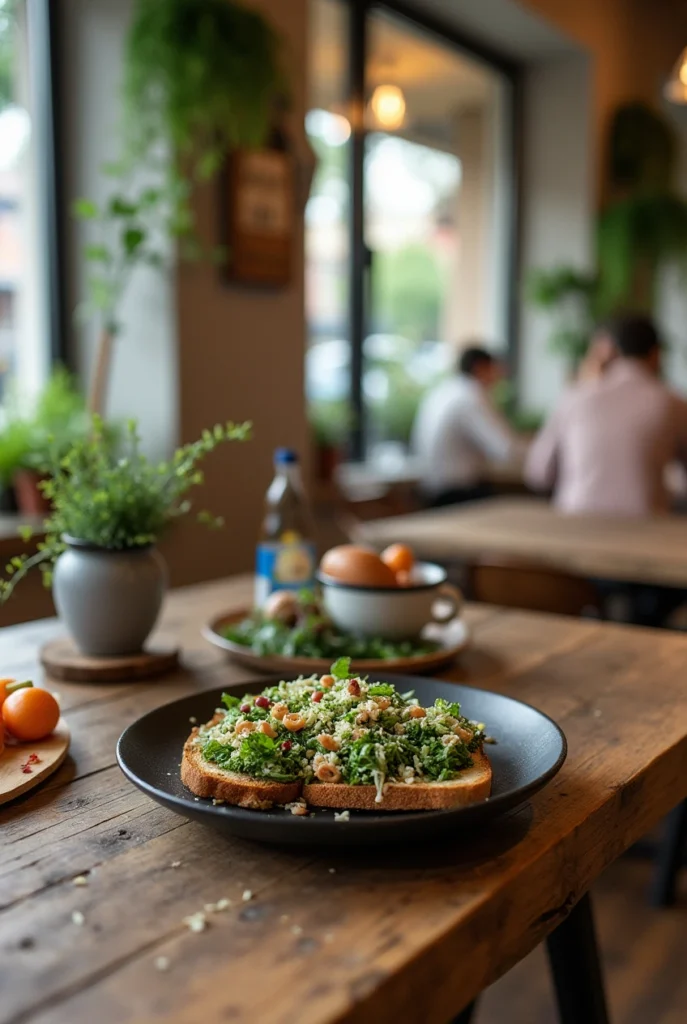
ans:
x=634 y=44
x=241 y=356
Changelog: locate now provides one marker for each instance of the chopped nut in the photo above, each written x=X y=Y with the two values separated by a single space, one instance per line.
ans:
x=196 y=922
x=80 y=880
x=343 y=816
x=175 y=864
x=247 y=895
x=162 y=963
x=216 y=802
x=78 y=918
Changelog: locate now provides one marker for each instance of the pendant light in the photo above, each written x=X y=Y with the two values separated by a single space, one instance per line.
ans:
x=675 y=89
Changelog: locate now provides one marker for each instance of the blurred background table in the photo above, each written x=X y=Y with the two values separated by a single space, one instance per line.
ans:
x=652 y=550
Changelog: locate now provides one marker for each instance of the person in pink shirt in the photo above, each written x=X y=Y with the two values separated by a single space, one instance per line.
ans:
x=606 y=446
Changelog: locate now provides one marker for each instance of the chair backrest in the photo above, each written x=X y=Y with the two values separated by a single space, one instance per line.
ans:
x=533 y=587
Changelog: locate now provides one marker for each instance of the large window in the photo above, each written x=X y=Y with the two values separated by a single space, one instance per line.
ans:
x=27 y=325
x=408 y=228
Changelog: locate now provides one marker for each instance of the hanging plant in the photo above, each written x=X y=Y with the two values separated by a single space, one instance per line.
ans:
x=641 y=230
x=202 y=75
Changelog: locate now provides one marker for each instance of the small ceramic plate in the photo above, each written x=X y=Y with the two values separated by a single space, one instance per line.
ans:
x=529 y=750
x=452 y=638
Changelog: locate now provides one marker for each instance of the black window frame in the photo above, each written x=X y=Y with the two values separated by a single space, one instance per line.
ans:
x=359 y=256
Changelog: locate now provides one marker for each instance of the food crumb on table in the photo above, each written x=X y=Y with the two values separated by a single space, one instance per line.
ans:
x=247 y=895
x=80 y=880
x=162 y=963
x=329 y=937
x=342 y=816
x=296 y=929
x=218 y=907
x=196 y=922
x=175 y=864
x=284 y=918
x=78 y=918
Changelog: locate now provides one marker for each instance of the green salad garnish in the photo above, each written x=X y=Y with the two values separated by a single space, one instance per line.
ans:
x=301 y=629
x=338 y=728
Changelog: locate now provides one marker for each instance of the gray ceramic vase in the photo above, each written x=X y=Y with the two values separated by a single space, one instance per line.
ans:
x=109 y=600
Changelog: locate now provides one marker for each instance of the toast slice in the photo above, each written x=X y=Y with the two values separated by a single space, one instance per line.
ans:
x=473 y=785
x=208 y=780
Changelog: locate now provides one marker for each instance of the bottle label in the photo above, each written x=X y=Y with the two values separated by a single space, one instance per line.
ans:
x=283 y=566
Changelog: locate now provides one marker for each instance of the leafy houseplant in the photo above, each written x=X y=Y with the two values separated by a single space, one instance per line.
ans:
x=109 y=508
x=200 y=78
x=641 y=229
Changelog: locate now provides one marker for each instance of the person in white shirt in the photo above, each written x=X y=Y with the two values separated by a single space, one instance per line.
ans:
x=458 y=430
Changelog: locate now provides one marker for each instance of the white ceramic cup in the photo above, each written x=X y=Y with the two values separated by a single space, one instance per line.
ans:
x=392 y=613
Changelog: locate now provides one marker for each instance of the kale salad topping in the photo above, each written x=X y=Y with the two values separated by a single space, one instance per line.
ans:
x=340 y=728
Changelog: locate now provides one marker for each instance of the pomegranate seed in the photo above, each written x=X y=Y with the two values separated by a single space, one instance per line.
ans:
x=317 y=696
x=262 y=702
x=286 y=745
x=245 y=708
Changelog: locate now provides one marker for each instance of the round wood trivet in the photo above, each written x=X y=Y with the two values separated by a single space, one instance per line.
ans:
x=50 y=754
x=61 y=660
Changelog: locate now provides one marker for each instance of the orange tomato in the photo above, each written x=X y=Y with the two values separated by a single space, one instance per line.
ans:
x=30 y=714
x=8 y=685
x=2 y=737
x=399 y=557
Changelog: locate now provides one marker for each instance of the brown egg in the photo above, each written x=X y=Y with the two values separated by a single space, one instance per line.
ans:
x=359 y=566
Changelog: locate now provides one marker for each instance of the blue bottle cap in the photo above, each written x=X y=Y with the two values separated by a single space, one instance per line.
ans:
x=285 y=456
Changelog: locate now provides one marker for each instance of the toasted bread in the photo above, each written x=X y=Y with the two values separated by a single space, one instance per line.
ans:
x=473 y=785
x=208 y=780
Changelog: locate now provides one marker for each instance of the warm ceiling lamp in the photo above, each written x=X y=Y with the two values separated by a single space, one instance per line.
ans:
x=388 y=104
x=676 y=86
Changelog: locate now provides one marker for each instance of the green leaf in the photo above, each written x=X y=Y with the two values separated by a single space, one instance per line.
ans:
x=101 y=293
x=97 y=253
x=120 y=207
x=230 y=701
x=341 y=669
x=133 y=238
x=112 y=169
x=25 y=532
x=84 y=209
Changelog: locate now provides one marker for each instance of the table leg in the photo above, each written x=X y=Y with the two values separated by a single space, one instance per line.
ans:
x=670 y=857
x=576 y=968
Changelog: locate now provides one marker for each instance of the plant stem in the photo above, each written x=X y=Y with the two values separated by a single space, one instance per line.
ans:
x=101 y=373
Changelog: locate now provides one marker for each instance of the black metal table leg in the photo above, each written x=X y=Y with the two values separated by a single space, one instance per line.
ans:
x=576 y=968
x=466 y=1015
x=670 y=857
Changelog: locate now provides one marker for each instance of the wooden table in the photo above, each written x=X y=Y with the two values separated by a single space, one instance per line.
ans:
x=640 y=550
x=357 y=936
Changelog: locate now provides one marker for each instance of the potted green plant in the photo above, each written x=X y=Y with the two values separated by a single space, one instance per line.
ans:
x=58 y=419
x=15 y=443
x=109 y=507
x=329 y=424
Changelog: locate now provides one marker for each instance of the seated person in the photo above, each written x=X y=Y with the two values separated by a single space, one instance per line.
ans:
x=606 y=446
x=457 y=430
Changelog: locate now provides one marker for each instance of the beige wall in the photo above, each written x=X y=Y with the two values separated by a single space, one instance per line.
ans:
x=633 y=43
x=241 y=356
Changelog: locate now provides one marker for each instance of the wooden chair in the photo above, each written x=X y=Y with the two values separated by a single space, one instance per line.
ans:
x=532 y=587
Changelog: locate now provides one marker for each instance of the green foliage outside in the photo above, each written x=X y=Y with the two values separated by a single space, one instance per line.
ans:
x=110 y=495
x=409 y=288
x=7 y=70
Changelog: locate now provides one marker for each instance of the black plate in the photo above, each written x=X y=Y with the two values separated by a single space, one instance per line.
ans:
x=530 y=749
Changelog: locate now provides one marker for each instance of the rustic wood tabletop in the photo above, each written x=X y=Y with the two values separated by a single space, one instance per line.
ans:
x=640 y=550
x=357 y=936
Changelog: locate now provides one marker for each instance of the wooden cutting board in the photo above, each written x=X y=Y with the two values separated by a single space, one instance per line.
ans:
x=51 y=753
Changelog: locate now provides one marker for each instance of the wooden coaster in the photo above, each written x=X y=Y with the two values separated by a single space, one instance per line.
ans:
x=50 y=752
x=61 y=660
